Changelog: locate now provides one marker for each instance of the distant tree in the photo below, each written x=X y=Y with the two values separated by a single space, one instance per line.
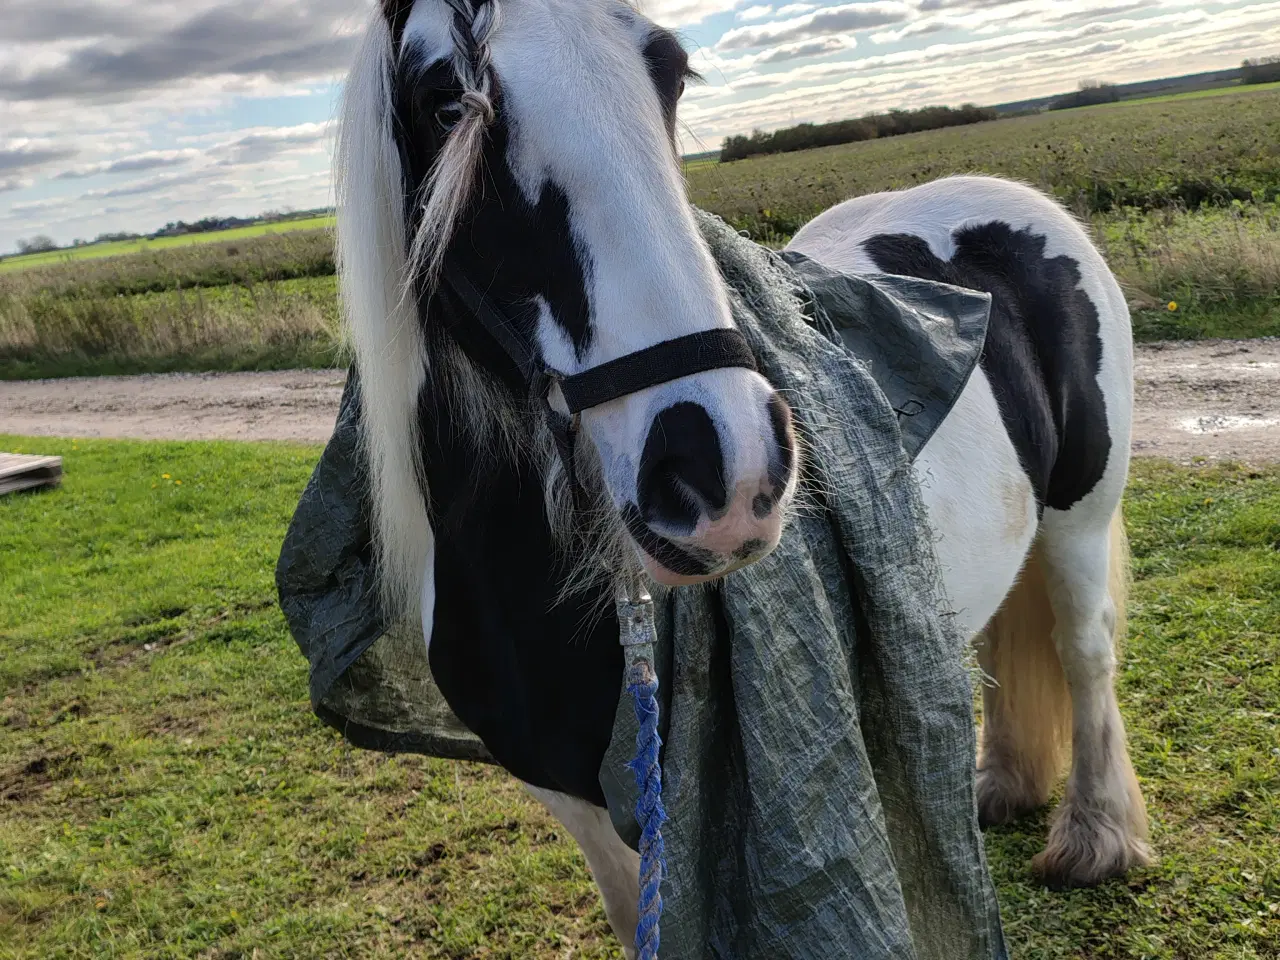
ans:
x=806 y=135
x=37 y=244
x=1088 y=93
x=1260 y=70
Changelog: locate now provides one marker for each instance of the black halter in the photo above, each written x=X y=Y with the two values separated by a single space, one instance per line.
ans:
x=661 y=363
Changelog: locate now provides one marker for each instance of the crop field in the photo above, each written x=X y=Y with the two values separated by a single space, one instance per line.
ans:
x=116 y=248
x=1179 y=153
x=166 y=791
x=1181 y=193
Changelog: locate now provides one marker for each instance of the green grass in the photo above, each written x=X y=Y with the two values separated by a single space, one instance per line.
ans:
x=117 y=248
x=167 y=793
x=1192 y=95
x=165 y=789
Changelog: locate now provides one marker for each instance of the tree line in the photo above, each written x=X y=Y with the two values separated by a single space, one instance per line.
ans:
x=872 y=127
x=1260 y=70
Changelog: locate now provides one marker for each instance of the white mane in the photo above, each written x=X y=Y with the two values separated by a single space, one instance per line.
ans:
x=382 y=322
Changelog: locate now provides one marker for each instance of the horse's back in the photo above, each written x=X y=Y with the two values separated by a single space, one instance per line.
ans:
x=1058 y=356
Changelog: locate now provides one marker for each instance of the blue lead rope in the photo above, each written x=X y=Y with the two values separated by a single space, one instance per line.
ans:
x=637 y=635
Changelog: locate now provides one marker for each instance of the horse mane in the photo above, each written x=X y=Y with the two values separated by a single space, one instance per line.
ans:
x=382 y=323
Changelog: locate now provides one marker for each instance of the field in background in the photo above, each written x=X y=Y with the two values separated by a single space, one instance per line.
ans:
x=1180 y=153
x=1192 y=95
x=1183 y=195
x=92 y=251
x=265 y=302
x=167 y=792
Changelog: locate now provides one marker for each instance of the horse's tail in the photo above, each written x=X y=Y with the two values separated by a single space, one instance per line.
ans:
x=1033 y=729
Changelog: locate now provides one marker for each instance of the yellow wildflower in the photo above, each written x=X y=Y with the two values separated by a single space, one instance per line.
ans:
x=178 y=482
x=164 y=476
x=1173 y=305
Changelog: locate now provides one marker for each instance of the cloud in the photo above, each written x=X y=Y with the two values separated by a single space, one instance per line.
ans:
x=150 y=160
x=939 y=53
x=9 y=184
x=264 y=143
x=831 y=20
x=806 y=48
x=35 y=206
x=679 y=13
x=821 y=92
x=150 y=184
x=754 y=13
x=19 y=155
x=246 y=38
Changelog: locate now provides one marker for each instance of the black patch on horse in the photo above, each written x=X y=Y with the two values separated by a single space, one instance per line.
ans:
x=512 y=250
x=1042 y=354
x=536 y=676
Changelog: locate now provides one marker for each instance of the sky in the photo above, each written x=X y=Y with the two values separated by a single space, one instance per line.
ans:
x=126 y=114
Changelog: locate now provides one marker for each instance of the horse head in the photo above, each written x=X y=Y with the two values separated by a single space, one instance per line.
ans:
x=512 y=212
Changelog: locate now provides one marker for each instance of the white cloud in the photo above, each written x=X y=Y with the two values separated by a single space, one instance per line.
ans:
x=803 y=49
x=754 y=13
x=257 y=145
x=680 y=13
x=147 y=160
x=829 y=20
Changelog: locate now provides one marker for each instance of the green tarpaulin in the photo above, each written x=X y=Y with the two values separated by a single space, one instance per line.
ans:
x=816 y=707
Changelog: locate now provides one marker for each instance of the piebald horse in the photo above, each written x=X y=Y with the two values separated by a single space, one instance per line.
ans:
x=516 y=159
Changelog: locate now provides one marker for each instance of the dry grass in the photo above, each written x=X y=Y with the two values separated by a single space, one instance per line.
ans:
x=262 y=325
x=1218 y=268
x=1214 y=255
x=280 y=256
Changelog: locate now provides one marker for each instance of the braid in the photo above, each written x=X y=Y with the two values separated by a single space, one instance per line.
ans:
x=449 y=186
x=473 y=22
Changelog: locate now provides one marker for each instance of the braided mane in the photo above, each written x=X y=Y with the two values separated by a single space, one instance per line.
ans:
x=448 y=188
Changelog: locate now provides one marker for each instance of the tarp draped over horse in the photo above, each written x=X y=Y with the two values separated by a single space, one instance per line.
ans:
x=816 y=706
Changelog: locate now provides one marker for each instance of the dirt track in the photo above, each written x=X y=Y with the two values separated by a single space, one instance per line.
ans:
x=1215 y=399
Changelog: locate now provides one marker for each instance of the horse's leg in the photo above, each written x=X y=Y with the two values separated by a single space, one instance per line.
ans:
x=983 y=514
x=1100 y=829
x=615 y=866
x=1026 y=709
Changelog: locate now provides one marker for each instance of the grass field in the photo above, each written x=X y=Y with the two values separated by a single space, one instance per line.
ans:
x=167 y=793
x=118 y=248
x=1178 y=153
x=1193 y=95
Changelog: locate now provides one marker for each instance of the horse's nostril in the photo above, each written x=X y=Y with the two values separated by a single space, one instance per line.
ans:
x=681 y=474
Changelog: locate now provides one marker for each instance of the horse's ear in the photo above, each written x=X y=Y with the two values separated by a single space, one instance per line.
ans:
x=396 y=12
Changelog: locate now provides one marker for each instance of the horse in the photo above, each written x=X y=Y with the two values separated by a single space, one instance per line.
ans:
x=531 y=309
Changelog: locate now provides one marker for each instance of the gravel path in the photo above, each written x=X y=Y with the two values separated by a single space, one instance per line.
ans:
x=1215 y=399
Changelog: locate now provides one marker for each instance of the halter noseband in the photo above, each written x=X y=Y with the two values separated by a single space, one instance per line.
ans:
x=660 y=363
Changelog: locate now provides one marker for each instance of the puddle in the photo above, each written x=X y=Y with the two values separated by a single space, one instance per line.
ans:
x=1223 y=422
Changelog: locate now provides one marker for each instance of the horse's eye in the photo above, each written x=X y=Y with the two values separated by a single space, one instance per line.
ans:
x=447 y=116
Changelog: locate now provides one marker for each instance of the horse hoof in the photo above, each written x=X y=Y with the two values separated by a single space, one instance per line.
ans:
x=1001 y=798
x=1086 y=848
